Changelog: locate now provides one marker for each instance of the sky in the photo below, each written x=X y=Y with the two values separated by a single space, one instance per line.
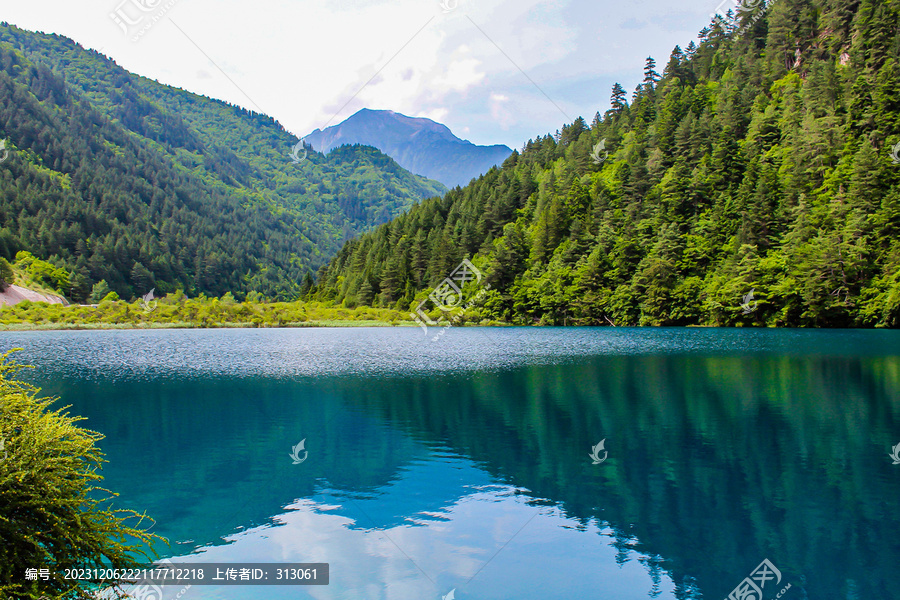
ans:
x=494 y=71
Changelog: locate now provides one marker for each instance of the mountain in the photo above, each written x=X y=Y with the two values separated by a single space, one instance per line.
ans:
x=419 y=145
x=113 y=177
x=756 y=182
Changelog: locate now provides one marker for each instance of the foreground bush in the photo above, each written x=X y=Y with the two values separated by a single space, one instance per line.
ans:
x=52 y=514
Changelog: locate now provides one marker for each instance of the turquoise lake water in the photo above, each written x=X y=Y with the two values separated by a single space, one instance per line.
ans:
x=465 y=463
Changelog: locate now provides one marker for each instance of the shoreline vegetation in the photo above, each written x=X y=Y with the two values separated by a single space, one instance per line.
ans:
x=176 y=311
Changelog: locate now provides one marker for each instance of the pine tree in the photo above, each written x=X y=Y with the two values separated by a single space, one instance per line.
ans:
x=618 y=101
x=365 y=293
x=7 y=275
x=99 y=291
x=143 y=278
x=651 y=77
x=306 y=287
x=674 y=68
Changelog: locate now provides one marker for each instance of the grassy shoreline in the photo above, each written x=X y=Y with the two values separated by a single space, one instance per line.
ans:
x=179 y=312
x=190 y=325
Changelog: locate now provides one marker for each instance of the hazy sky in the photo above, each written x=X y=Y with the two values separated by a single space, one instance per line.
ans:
x=494 y=71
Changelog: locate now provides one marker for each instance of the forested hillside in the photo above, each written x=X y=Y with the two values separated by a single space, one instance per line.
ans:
x=113 y=177
x=760 y=161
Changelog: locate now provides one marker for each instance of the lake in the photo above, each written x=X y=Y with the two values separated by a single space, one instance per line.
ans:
x=470 y=467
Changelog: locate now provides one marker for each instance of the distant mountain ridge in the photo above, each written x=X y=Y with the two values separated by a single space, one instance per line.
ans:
x=419 y=145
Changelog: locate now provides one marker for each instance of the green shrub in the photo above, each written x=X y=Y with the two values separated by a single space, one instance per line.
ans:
x=99 y=291
x=52 y=514
x=7 y=275
x=43 y=272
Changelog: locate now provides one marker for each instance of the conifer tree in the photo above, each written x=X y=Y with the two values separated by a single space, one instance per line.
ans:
x=651 y=77
x=618 y=101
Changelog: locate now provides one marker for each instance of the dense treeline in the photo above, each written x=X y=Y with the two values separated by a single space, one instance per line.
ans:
x=114 y=177
x=760 y=161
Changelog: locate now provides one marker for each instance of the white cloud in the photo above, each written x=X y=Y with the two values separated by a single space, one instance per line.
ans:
x=477 y=543
x=435 y=114
x=459 y=76
x=499 y=112
x=303 y=61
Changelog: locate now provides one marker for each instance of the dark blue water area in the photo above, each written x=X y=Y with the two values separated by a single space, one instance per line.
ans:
x=465 y=464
